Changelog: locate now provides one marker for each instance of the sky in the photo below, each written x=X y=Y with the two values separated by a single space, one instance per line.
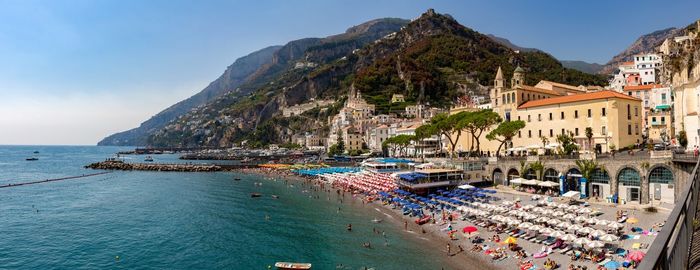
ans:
x=75 y=71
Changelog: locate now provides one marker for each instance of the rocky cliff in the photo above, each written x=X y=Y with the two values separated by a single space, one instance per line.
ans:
x=644 y=44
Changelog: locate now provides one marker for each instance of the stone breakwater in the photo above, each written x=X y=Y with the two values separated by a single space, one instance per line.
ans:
x=118 y=165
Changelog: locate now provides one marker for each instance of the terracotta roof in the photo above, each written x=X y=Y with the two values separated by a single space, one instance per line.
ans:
x=562 y=85
x=538 y=90
x=605 y=94
x=643 y=87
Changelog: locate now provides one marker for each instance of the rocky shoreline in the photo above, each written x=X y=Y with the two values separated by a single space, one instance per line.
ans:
x=123 y=166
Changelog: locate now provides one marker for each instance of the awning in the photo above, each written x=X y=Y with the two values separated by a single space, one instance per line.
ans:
x=663 y=107
x=532 y=182
x=465 y=186
x=549 y=184
x=518 y=181
x=571 y=194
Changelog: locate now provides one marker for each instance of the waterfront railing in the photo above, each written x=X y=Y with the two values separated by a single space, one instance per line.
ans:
x=673 y=247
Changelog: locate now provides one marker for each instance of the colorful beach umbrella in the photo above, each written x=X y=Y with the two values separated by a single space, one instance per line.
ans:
x=595 y=244
x=511 y=240
x=525 y=225
x=612 y=265
x=568 y=237
x=632 y=220
x=469 y=229
x=609 y=238
x=636 y=256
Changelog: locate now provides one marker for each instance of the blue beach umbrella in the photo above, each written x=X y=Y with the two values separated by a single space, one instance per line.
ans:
x=612 y=265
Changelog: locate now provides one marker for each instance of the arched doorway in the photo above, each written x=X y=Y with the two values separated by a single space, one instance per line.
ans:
x=600 y=183
x=513 y=173
x=629 y=184
x=497 y=177
x=571 y=180
x=551 y=175
x=661 y=184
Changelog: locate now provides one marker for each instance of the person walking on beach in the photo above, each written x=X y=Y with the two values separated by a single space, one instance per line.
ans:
x=405 y=225
x=448 y=249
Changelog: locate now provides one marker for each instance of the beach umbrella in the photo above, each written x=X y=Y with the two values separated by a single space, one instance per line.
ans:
x=585 y=230
x=507 y=203
x=609 y=238
x=469 y=229
x=581 y=219
x=597 y=233
x=528 y=207
x=525 y=225
x=546 y=231
x=615 y=225
x=612 y=265
x=553 y=222
x=572 y=208
x=584 y=211
x=530 y=217
x=575 y=227
x=636 y=255
x=564 y=225
x=511 y=240
x=569 y=216
x=547 y=212
x=602 y=222
x=592 y=221
x=632 y=220
x=552 y=204
x=542 y=219
x=512 y=221
x=536 y=227
x=581 y=241
x=563 y=206
x=568 y=237
x=557 y=234
x=595 y=244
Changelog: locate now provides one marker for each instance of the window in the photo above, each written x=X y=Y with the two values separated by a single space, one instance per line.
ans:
x=528 y=96
x=551 y=133
x=589 y=113
x=518 y=117
x=629 y=129
x=636 y=111
x=636 y=129
x=603 y=112
x=603 y=131
x=562 y=115
x=653 y=119
x=528 y=118
x=576 y=114
x=576 y=131
x=519 y=136
x=629 y=114
x=562 y=131
x=539 y=117
x=529 y=133
x=540 y=133
x=507 y=98
x=663 y=120
x=513 y=99
x=522 y=95
x=550 y=116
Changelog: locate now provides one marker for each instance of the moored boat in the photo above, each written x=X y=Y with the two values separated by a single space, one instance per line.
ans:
x=292 y=266
x=148 y=159
x=32 y=159
x=255 y=195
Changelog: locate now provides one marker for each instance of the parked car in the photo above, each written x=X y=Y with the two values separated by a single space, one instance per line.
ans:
x=658 y=147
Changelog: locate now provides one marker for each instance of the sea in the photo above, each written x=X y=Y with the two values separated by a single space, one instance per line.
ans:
x=172 y=220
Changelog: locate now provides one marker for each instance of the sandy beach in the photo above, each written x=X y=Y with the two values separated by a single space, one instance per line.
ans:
x=435 y=236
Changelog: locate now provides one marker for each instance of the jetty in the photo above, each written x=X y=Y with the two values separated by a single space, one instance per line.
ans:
x=172 y=167
x=51 y=180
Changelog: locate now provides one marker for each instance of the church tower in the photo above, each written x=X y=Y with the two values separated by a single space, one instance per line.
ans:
x=518 y=77
x=499 y=82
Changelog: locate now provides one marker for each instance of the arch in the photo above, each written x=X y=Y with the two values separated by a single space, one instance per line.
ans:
x=629 y=176
x=551 y=174
x=497 y=176
x=530 y=174
x=513 y=172
x=600 y=176
x=573 y=170
x=513 y=97
x=660 y=174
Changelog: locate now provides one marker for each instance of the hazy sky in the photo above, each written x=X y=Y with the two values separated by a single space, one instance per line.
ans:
x=73 y=72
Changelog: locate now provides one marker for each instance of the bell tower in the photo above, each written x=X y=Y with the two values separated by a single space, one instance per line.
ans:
x=518 y=77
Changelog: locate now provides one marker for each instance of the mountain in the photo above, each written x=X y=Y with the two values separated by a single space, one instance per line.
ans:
x=644 y=44
x=232 y=78
x=432 y=60
x=591 y=68
x=507 y=43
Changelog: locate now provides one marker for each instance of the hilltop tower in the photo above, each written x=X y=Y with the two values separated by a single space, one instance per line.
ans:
x=518 y=77
x=499 y=82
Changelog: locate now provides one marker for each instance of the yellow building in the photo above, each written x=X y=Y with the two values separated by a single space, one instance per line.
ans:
x=353 y=140
x=615 y=118
x=660 y=126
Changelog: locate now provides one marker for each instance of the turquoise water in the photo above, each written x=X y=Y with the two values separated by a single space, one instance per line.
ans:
x=152 y=220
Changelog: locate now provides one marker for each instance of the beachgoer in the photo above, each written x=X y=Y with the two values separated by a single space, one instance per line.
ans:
x=448 y=249
x=405 y=225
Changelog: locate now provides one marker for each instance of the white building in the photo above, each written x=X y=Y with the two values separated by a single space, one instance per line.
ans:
x=646 y=65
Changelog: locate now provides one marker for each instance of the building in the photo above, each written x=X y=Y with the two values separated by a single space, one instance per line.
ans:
x=397 y=98
x=652 y=95
x=428 y=180
x=415 y=111
x=646 y=66
x=615 y=118
x=660 y=125
x=377 y=136
x=353 y=139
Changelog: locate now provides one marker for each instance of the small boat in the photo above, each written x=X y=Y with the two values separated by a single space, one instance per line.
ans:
x=32 y=159
x=376 y=220
x=275 y=197
x=36 y=152
x=292 y=266
x=148 y=159
x=236 y=179
x=255 y=195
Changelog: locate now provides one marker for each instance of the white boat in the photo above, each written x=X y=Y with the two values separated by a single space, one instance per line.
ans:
x=292 y=266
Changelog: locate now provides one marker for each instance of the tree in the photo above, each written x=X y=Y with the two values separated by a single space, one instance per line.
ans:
x=341 y=144
x=334 y=150
x=524 y=167
x=477 y=122
x=683 y=138
x=538 y=167
x=545 y=141
x=450 y=126
x=505 y=132
x=566 y=143
x=587 y=167
x=589 y=135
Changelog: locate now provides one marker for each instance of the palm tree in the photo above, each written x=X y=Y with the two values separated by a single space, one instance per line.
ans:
x=587 y=167
x=589 y=135
x=523 y=168
x=538 y=167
